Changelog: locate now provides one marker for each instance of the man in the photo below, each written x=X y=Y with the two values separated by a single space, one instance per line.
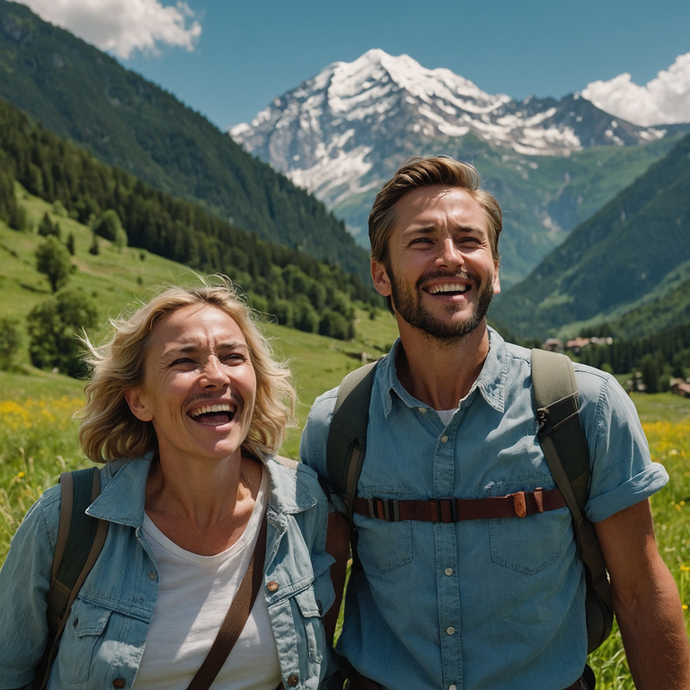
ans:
x=488 y=603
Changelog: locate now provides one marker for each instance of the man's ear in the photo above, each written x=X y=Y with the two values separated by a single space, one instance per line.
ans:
x=497 y=280
x=379 y=276
x=137 y=406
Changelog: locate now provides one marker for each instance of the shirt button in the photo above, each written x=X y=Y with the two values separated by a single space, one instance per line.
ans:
x=293 y=680
x=152 y=575
x=444 y=439
x=452 y=687
x=450 y=630
x=119 y=683
x=448 y=571
x=422 y=410
x=272 y=586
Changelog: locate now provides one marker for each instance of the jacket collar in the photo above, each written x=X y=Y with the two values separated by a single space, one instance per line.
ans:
x=123 y=490
x=287 y=493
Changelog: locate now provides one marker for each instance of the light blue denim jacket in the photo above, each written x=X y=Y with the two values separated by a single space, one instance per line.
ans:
x=106 y=632
x=480 y=604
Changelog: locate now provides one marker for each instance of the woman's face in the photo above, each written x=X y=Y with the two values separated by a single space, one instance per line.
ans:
x=199 y=385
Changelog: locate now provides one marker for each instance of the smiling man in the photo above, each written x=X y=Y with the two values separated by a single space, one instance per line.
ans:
x=495 y=602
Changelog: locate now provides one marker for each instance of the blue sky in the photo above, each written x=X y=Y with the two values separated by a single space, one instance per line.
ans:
x=229 y=59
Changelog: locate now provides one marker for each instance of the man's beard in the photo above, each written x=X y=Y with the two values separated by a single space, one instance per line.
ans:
x=409 y=305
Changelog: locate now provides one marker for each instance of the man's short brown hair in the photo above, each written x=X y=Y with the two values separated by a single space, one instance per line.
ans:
x=426 y=172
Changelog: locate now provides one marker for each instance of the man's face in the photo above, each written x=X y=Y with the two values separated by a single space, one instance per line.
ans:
x=440 y=272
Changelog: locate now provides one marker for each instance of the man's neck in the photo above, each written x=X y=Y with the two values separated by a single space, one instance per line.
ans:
x=440 y=373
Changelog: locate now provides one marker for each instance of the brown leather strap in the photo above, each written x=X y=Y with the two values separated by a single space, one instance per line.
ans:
x=518 y=505
x=236 y=617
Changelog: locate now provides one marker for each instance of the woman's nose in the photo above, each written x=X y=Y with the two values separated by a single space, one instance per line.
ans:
x=214 y=372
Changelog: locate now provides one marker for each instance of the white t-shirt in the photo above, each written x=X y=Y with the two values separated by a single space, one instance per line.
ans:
x=446 y=415
x=194 y=596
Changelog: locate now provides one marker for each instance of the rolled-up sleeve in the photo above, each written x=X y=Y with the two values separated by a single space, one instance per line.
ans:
x=623 y=473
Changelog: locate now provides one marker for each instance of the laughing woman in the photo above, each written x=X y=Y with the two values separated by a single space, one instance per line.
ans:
x=187 y=408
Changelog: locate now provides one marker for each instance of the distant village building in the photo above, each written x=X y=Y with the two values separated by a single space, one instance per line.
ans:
x=576 y=344
x=680 y=387
x=608 y=340
x=553 y=344
x=635 y=384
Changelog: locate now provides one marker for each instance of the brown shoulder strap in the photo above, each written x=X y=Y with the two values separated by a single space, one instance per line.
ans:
x=79 y=542
x=236 y=617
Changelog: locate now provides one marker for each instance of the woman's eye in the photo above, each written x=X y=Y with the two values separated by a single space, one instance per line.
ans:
x=181 y=360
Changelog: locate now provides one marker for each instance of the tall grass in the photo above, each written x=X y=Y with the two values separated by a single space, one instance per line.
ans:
x=38 y=440
x=669 y=443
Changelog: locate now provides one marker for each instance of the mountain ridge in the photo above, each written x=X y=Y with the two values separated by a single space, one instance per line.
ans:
x=613 y=262
x=85 y=95
x=344 y=132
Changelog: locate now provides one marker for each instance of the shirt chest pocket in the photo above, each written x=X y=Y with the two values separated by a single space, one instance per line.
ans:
x=84 y=629
x=383 y=545
x=532 y=543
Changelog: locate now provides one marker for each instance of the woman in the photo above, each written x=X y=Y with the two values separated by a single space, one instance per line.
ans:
x=187 y=408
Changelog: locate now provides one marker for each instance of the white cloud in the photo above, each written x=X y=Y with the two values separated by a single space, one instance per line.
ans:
x=664 y=100
x=123 y=26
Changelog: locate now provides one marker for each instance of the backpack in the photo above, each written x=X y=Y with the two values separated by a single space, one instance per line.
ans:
x=79 y=542
x=556 y=401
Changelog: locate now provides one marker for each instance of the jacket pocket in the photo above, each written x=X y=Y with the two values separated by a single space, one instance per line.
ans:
x=85 y=626
x=529 y=544
x=311 y=604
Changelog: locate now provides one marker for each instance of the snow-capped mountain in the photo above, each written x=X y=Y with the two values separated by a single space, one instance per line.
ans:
x=345 y=130
x=342 y=134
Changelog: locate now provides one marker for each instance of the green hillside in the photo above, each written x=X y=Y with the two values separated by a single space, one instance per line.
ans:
x=631 y=253
x=86 y=96
x=119 y=207
x=543 y=197
x=116 y=280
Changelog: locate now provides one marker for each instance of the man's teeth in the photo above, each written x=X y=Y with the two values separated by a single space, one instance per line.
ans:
x=448 y=287
x=207 y=409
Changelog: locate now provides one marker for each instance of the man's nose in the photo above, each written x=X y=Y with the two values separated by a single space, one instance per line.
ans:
x=450 y=254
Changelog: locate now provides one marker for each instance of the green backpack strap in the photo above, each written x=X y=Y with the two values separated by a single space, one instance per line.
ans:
x=557 y=404
x=79 y=542
x=347 y=435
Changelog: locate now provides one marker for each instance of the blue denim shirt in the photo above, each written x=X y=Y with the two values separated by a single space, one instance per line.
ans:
x=106 y=632
x=480 y=604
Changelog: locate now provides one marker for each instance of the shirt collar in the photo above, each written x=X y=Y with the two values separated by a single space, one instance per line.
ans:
x=490 y=382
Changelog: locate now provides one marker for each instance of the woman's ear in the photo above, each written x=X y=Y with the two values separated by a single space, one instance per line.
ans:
x=137 y=406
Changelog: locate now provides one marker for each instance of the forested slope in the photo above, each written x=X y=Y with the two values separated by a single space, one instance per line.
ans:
x=298 y=289
x=86 y=96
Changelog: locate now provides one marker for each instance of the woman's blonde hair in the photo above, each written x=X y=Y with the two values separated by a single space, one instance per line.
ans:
x=108 y=430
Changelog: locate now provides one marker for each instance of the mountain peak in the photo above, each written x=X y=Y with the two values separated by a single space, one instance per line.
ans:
x=345 y=130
